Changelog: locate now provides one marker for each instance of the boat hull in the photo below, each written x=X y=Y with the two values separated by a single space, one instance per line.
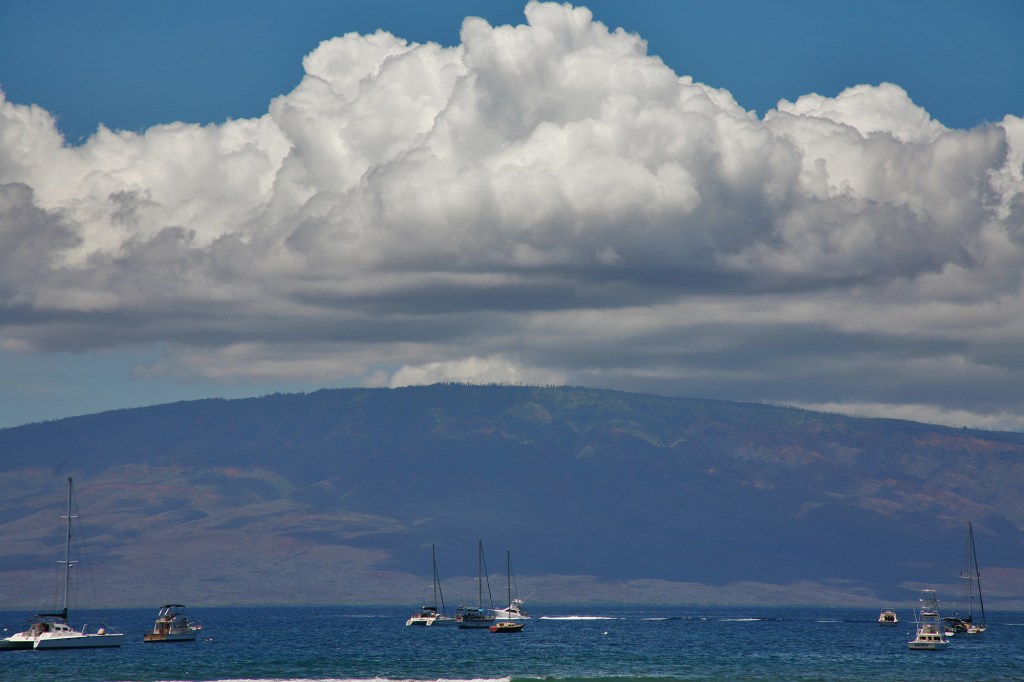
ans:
x=476 y=624
x=169 y=637
x=79 y=641
x=510 y=614
x=437 y=621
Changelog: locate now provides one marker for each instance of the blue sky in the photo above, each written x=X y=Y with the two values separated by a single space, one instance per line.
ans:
x=139 y=66
x=134 y=64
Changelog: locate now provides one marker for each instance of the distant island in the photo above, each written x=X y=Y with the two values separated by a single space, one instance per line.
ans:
x=602 y=496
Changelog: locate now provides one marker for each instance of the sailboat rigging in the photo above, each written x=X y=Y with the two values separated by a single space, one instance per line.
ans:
x=51 y=630
x=971 y=580
x=428 y=613
x=508 y=624
x=514 y=610
x=478 y=616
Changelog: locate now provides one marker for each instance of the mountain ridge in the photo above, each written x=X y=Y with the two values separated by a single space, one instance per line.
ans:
x=596 y=492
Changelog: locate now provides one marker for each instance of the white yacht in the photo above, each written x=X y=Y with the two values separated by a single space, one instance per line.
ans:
x=888 y=617
x=514 y=611
x=931 y=635
x=172 y=625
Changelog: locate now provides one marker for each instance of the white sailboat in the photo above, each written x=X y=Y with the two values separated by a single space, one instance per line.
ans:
x=965 y=624
x=507 y=623
x=428 y=615
x=478 y=616
x=51 y=630
x=514 y=610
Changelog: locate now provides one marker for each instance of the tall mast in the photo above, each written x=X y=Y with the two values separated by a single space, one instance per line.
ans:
x=437 y=582
x=67 y=554
x=977 y=574
x=433 y=559
x=508 y=555
x=480 y=574
x=970 y=575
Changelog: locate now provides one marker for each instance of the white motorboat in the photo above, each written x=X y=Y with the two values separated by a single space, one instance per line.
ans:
x=467 y=617
x=931 y=635
x=51 y=630
x=514 y=611
x=172 y=625
x=888 y=617
x=428 y=615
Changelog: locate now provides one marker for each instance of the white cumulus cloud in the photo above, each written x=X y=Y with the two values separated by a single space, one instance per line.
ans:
x=541 y=203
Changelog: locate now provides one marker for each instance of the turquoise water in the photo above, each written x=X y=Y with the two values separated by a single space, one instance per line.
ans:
x=570 y=644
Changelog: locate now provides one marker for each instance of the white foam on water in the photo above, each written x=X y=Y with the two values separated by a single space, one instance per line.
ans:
x=355 y=679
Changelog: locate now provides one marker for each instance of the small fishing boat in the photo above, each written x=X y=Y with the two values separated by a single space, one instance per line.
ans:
x=428 y=615
x=506 y=626
x=931 y=635
x=172 y=625
x=888 y=617
x=51 y=630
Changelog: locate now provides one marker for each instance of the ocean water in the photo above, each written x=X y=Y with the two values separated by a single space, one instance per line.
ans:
x=560 y=644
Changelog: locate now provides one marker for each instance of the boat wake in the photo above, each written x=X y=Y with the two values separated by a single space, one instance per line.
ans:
x=578 y=618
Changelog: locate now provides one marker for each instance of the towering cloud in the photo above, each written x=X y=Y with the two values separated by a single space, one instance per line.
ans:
x=544 y=202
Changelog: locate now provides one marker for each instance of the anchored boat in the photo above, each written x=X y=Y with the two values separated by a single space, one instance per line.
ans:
x=428 y=614
x=931 y=635
x=51 y=630
x=172 y=625
x=888 y=617
x=508 y=625
x=514 y=610
x=971 y=579
x=477 y=617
